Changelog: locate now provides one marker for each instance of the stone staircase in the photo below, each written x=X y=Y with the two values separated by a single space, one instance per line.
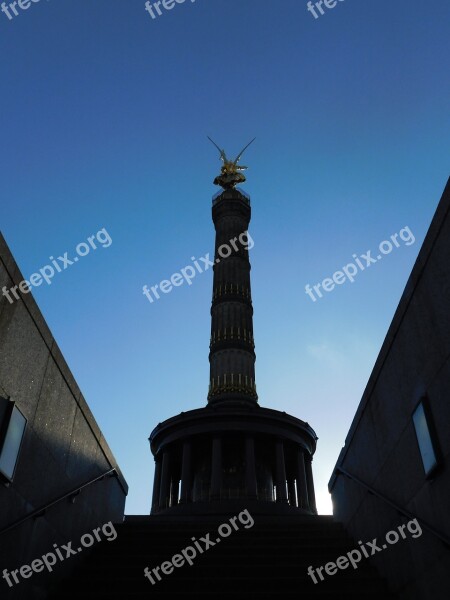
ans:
x=266 y=561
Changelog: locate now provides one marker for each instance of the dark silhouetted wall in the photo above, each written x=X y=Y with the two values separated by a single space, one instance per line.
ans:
x=62 y=448
x=381 y=448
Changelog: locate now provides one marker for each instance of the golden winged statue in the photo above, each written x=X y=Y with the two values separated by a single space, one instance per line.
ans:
x=231 y=172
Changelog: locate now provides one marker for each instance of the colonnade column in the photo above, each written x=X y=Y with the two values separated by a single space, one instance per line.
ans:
x=302 y=486
x=156 y=484
x=291 y=492
x=310 y=481
x=280 y=469
x=165 y=481
x=186 y=473
x=216 y=468
x=175 y=490
x=250 y=468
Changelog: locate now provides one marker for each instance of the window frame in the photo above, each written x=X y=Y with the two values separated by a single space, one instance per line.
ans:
x=433 y=438
x=9 y=406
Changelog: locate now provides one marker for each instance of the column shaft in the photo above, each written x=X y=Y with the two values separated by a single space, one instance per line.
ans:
x=216 y=468
x=280 y=472
x=165 y=481
x=302 y=486
x=186 y=473
x=156 y=485
x=250 y=468
x=175 y=490
x=309 y=479
x=291 y=490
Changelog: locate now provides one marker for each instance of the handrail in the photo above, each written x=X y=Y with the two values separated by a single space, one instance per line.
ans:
x=42 y=510
x=398 y=508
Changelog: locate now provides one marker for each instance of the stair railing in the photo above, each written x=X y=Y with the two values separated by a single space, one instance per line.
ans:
x=72 y=495
x=403 y=511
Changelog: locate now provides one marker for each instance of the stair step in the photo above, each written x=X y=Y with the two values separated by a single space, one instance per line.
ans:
x=268 y=561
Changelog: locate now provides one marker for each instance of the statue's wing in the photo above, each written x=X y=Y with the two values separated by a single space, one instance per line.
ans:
x=242 y=151
x=222 y=152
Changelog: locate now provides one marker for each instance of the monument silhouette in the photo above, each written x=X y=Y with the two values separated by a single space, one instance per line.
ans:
x=232 y=451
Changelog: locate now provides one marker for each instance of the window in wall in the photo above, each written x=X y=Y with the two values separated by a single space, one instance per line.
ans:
x=12 y=429
x=426 y=437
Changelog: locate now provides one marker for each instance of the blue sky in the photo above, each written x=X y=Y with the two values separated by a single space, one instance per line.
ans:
x=104 y=118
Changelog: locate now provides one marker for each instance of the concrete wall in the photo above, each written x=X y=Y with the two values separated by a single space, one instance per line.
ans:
x=381 y=447
x=62 y=449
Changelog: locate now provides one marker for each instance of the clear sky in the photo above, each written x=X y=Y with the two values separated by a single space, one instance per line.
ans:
x=103 y=121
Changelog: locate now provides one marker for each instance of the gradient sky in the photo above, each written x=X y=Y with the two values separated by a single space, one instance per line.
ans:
x=104 y=116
